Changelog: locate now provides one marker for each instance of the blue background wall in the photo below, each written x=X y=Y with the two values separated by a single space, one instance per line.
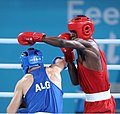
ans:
x=51 y=17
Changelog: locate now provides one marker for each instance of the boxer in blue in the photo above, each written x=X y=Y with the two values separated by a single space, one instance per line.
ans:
x=40 y=86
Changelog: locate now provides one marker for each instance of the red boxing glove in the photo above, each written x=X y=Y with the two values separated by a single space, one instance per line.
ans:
x=68 y=53
x=30 y=38
x=65 y=35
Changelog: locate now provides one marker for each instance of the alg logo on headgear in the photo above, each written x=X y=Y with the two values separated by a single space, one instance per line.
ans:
x=33 y=59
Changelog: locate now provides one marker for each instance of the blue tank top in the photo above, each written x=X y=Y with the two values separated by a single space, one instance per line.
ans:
x=43 y=95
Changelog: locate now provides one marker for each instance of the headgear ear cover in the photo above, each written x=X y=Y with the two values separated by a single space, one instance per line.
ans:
x=31 y=58
x=82 y=25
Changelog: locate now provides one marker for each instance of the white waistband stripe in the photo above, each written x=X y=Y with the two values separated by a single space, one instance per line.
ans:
x=98 y=96
x=42 y=113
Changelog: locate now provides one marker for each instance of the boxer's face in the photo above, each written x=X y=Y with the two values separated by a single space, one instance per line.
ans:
x=74 y=35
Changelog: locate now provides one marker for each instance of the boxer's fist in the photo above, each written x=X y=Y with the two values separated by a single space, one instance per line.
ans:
x=68 y=53
x=65 y=35
x=30 y=38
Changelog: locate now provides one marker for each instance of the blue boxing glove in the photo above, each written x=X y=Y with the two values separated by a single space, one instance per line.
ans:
x=59 y=57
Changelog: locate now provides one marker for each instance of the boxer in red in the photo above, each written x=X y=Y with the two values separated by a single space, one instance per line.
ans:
x=91 y=71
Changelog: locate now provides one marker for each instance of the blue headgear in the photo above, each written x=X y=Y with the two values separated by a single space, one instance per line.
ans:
x=30 y=59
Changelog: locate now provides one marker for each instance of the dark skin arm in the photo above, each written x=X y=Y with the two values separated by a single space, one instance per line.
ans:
x=89 y=48
x=58 y=42
x=73 y=73
x=86 y=47
x=62 y=43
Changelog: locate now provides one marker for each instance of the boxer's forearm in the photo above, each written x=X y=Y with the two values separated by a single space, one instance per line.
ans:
x=62 y=43
x=73 y=73
x=54 y=41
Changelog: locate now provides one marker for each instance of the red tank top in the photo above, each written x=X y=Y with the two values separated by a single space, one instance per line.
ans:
x=93 y=81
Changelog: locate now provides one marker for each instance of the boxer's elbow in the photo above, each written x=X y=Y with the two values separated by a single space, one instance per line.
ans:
x=8 y=110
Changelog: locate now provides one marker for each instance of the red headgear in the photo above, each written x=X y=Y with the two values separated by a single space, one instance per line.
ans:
x=82 y=25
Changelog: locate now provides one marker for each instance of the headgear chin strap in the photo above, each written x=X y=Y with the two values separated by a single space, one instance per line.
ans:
x=82 y=25
x=30 y=59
